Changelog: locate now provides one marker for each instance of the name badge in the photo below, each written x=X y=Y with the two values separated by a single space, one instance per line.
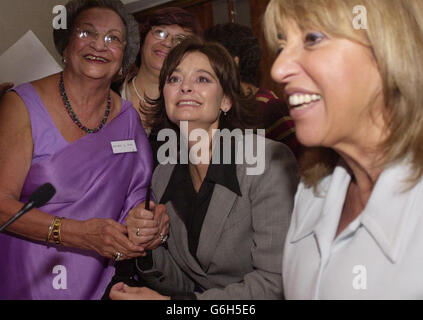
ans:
x=126 y=146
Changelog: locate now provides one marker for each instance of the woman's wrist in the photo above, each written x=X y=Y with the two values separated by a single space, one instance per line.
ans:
x=71 y=234
x=54 y=231
x=50 y=230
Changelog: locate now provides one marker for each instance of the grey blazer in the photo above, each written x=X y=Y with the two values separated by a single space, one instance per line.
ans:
x=242 y=238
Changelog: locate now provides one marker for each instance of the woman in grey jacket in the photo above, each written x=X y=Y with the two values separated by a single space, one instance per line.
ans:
x=228 y=221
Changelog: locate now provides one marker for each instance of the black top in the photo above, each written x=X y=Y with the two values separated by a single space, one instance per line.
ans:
x=192 y=206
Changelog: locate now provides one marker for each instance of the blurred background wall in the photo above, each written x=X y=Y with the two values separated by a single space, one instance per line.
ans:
x=19 y=16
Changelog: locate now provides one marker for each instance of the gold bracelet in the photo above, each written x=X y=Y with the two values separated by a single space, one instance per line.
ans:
x=56 y=230
x=50 y=229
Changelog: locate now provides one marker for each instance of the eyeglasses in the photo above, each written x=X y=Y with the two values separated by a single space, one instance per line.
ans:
x=111 y=40
x=162 y=34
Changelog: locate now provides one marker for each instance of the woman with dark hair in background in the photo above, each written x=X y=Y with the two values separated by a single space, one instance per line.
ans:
x=161 y=31
x=227 y=226
x=61 y=129
x=245 y=48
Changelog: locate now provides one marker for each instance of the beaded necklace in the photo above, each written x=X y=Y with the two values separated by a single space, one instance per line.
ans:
x=73 y=115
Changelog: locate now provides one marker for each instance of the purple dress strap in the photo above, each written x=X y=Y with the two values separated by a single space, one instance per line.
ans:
x=91 y=182
x=46 y=137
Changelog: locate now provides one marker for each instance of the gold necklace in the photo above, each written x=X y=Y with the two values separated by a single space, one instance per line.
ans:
x=136 y=91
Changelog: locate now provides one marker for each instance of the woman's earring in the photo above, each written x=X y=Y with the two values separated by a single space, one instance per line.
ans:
x=121 y=72
x=64 y=60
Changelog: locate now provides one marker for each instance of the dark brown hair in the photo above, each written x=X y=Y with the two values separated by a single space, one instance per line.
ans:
x=168 y=16
x=242 y=115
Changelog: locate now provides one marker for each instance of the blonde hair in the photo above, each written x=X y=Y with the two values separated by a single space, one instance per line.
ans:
x=394 y=33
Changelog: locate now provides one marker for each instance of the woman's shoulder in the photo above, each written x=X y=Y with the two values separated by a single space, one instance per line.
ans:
x=46 y=84
x=276 y=151
x=270 y=162
x=12 y=106
x=257 y=143
x=18 y=100
x=14 y=118
x=280 y=160
x=276 y=146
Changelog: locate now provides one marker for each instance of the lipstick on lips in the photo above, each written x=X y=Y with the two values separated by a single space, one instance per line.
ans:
x=161 y=53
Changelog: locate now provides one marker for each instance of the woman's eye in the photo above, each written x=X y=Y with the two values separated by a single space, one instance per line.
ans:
x=160 y=33
x=111 y=38
x=203 y=80
x=115 y=38
x=278 y=51
x=173 y=79
x=84 y=34
x=313 y=38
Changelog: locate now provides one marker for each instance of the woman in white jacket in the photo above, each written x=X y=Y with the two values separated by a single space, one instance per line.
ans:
x=353 y=78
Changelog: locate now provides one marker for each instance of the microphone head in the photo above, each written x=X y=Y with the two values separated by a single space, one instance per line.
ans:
x=42 y=195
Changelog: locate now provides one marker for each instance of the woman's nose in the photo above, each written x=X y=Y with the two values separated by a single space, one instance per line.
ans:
x=186 y=86
x=286 y=65
x=99 y=44
x=167 y=42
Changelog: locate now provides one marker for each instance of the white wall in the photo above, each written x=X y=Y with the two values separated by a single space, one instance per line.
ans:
x=19 y=16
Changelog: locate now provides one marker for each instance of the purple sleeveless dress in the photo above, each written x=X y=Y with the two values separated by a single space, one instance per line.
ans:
x=91 y=182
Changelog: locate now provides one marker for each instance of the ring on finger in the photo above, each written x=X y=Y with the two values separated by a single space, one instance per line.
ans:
x=163 y=238
x=138 y=232
x=118 y=256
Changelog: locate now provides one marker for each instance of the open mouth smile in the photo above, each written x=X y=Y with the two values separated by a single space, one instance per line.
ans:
x=189 y=103
x=97 y=59
x=302 y=101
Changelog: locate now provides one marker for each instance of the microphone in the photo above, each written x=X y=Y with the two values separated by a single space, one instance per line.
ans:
x=39 y=198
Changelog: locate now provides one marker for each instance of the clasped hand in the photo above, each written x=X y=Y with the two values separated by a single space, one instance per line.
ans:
x=148 y=228
x=144 y=230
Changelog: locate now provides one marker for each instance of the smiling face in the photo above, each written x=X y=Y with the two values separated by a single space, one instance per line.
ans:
x=193 y=93
x=87 y=53
x=333 y=87
x=155 y=51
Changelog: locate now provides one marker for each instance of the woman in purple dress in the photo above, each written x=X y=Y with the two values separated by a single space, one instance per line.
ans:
x=71 y=130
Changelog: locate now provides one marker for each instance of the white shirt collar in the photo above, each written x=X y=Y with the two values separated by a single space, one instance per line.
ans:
x=385 y=216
